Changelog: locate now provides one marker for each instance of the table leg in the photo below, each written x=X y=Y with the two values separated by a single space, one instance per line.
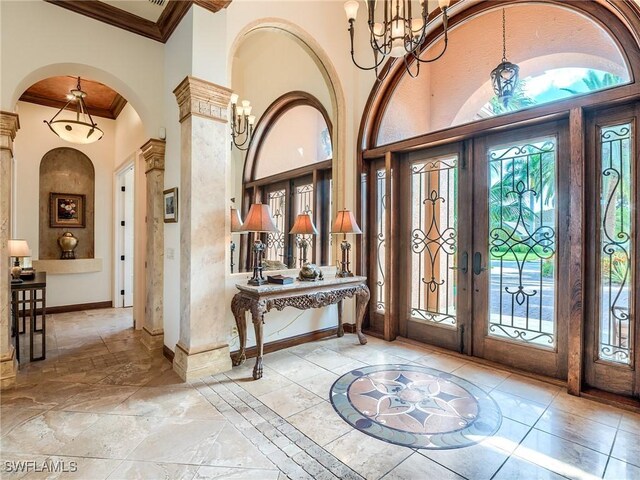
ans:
x=257 y=314
x=16 y=322
x=340 y=327
x=362 y=299
x=238 y=308
x=32 y=322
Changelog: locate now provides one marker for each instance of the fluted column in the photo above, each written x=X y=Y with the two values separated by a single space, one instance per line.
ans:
x=202 y=349
x=153 y=329
x=9 y=125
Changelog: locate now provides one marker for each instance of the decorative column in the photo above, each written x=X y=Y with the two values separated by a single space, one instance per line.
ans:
x=9 y=125
x=202 y=349
x=152 y=331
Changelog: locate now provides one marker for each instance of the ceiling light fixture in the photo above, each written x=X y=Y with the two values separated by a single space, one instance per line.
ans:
x=504 y=77
x=241 y=123
x=76 y=131
x=396 y=32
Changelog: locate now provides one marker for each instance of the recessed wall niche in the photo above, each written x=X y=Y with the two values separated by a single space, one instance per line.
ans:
x=68 y=171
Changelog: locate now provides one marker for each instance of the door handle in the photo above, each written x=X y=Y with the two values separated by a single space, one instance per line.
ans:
x=477 y=263
x=464 y=263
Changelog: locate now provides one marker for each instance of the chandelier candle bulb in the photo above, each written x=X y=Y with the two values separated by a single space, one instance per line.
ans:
x=247 y=110
x=351 y=9
x=246 y=104
x=251 y=119
x=234 y=98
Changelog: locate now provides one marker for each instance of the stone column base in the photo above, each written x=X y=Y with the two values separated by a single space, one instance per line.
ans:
x=8 y=369
x=152 y=340
x=194 y=365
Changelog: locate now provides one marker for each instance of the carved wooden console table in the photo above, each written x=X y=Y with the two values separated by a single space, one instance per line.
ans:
x=301 y=295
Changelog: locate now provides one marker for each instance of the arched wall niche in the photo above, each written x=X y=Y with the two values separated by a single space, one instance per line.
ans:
x=620 y=21
x=274 y=113
x=66 y=170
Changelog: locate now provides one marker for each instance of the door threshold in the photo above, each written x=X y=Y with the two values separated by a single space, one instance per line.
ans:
x=614 y=399
x=481 y=361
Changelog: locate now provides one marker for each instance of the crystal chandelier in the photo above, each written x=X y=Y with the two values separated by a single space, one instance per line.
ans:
x=397 y=32
x=504 y=77
x=81 y=130
x=241 y=123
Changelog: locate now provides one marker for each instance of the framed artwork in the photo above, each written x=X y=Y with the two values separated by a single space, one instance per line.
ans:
x=171 y=205
x=67 y=210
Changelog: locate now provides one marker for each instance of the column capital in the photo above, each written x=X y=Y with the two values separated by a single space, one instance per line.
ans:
x=9 y=125
x=153 y=153
x=202 y=98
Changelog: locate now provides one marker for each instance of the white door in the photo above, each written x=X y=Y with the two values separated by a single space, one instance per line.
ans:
x=126 y=238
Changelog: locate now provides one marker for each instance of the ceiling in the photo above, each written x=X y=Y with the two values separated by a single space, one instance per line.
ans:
x=155 y=19
x=101 y=100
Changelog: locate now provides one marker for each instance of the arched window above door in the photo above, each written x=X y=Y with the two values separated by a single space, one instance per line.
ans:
x=555 y=47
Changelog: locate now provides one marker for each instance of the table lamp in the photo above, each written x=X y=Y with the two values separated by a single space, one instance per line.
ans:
x=301 y=227
x=345 y=223
x=236 y=226
x=258 y=220
x=18 y=249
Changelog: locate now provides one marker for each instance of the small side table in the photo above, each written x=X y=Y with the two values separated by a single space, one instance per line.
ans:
x=29 y=300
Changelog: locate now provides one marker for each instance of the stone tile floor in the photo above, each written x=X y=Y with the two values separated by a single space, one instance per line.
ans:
x=101 y=406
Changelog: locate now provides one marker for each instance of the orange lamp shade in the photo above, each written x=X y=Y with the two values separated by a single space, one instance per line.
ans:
x=19 y=248
x=345 y=223
x=236 y=222
x=259 y=219
x=304 y=225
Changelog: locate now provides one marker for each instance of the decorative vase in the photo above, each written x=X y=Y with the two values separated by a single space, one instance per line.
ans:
x=68 y=244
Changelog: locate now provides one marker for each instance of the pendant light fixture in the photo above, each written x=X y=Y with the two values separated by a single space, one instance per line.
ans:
x=82 y=129
x=395 y=31
x=504 y=77
x=241 y=123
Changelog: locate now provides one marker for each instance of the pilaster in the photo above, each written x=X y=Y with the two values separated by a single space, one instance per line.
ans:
x=9 y=125
x=152 y=331
x=204 y=144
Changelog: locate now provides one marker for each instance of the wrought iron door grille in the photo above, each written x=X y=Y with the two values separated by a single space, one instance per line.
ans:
x=381 y=205
x=616 y=224
x=276 y=240
x=522 y=231
x=434 y=240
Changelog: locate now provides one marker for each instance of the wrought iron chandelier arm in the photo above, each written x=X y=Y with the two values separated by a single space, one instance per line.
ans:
x=444 y=49
x=353 y=58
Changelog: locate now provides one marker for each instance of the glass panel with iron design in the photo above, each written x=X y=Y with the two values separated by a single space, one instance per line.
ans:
x=277 y=201
x=304 y=204
x=522 y=241
x=616 y=225
x=380 y=241
x=434 y=193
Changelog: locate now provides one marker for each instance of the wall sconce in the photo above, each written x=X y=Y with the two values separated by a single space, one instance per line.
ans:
x=241 y=123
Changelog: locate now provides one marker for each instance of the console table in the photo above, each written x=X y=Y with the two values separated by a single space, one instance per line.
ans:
x=29 y=299
x=301 y=295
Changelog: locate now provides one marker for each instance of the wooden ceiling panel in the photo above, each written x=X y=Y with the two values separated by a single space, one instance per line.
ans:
x=101 y=100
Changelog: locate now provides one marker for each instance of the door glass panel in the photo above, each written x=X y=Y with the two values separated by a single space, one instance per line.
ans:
x=434 y=185
x=380 y=226
x=616 y=224
x=522 y=241
x=303 y=203
x=275 y=240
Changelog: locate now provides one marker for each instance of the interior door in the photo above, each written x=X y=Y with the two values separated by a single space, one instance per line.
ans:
x=128 y=232
x=435 y=239
x=611 y=357
x=521 y=249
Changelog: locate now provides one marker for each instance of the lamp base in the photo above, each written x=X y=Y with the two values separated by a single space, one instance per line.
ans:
x=16 y=270
x=16 y=280
x=344 y=274
x=256 y=282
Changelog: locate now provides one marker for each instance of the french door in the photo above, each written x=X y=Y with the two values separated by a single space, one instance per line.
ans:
x=611 y=335
x=481 y=238
x=520 y=249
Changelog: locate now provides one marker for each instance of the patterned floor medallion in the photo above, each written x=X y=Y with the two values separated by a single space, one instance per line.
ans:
x=415 y=406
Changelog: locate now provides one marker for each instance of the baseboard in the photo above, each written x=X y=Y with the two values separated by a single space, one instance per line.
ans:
x=78 y=307
x=349 y=327
x=283 y=343
x=168 y=353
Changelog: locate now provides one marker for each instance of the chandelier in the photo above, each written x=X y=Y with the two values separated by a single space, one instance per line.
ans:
x=241 y=123
x=396 y=31
x=81 y=130
x=504 y=77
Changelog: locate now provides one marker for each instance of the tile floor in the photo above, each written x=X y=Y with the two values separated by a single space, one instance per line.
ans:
x=101 y=406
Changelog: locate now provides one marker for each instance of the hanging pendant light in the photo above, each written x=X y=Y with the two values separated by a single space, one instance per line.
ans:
x=504 y=77
x=396 y=32
x=82 y=129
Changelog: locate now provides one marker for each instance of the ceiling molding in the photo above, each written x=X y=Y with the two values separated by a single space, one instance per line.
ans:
x=159 y=31
x=58 y=104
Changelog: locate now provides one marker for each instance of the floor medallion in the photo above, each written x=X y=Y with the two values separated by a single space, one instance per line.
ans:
x=415 y=406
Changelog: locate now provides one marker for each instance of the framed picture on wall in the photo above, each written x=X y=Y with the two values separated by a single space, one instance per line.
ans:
x=67 y=210
x=171 y=205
